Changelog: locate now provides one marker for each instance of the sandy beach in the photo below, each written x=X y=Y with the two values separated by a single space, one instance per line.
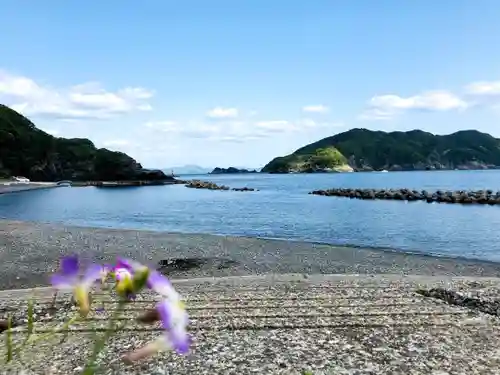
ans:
x=30 y=251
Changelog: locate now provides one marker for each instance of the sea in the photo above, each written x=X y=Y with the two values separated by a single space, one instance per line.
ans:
x=283 y=209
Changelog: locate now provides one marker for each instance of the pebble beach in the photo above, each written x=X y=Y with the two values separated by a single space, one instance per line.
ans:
x=261 y=306
x=30 y=251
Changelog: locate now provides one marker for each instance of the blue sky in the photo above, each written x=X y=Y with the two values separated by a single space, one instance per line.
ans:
x=225 y=82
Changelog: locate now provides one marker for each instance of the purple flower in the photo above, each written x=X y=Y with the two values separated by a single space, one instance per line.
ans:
x=174 y=320
x=69 y=279
x=162 y=285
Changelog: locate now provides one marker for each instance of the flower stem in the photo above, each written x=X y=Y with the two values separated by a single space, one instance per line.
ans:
x=8 y=339
x=99 y=344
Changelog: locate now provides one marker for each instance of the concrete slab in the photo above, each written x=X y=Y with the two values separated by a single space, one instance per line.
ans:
x=284 y=324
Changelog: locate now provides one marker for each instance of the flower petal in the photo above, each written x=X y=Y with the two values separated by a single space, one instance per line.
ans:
x=174 y=320
x=69 y=265
x=161 y=285
x=122 y=274
x=91 y=275
x=180 y=339
x=147 y=351
x=123 y=263
x=63 y=282
x=164 y=310
x=81 y=295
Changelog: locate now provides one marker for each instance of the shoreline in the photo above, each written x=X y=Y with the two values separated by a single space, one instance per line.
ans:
x=30 y=251
x=9 y=188
x=307 y=242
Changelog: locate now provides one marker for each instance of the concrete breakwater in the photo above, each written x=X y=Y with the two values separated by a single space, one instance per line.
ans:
x=13 y=187
x=440 y=196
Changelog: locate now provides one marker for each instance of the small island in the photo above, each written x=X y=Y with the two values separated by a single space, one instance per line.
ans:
x=363 y=150
x=231 y=170
x=321 y=160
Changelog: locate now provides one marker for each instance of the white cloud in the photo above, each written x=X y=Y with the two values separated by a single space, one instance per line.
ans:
x=318 y=108
x=222 y=113
x=483 y=88
x=384 y=107
x=164 y=126
x=276 y=126
x=232 y=131
x=85 y=101
x=116 y=143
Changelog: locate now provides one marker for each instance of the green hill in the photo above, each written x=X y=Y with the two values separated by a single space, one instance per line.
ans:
x=364 y=149
x=30 y=152
x=317 y=160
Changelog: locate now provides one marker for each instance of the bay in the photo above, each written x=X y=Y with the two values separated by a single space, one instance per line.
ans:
x=283 y=209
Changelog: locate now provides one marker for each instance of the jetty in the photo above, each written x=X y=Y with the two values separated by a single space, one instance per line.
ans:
x=488 y=197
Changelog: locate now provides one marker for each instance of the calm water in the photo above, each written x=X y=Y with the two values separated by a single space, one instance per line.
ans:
x=283 y=209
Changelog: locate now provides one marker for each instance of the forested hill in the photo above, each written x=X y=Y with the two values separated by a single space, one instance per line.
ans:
x=363 y=149
x=30 y=152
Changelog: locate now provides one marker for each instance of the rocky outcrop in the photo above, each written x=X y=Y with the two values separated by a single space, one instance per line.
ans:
x=231 y=170
x=198 y=184
x=323 y=160
x=440 y=196
x=451 y=297
x=168 y=266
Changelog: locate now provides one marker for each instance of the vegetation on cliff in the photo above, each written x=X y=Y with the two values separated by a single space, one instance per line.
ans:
x=30 y=152
x=317 y=160
x=413 y=150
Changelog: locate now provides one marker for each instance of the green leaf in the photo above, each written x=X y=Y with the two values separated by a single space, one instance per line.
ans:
x=140 y=279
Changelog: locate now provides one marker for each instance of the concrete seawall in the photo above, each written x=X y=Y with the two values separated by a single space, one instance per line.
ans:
x=13 y=187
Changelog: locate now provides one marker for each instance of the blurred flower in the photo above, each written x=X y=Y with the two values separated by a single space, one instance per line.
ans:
x=69 y=279
x=161 y=285
x=174 y=320
x=124 y=284
x=105 y=272
x=170 y=310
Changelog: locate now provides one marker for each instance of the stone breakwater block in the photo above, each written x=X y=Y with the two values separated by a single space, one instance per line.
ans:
x=440 y=196
x=198 y=184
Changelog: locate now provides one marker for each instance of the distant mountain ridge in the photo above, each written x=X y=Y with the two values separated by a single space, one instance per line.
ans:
x=366 y=150
x=196 y=169
x=187 y=169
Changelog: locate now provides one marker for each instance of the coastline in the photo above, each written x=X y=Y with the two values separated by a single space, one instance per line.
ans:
x=30 y=251
x=7 y=188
